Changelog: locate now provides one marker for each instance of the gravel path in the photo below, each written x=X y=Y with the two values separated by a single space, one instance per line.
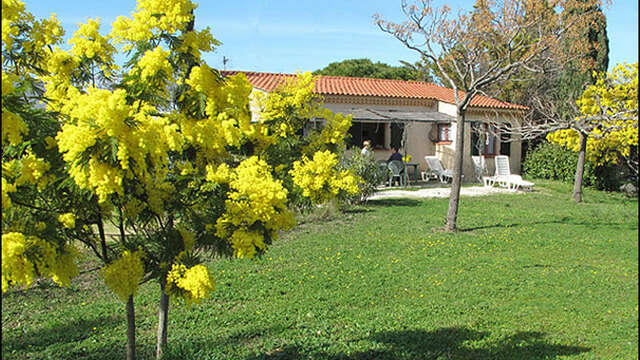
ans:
x=439 y=192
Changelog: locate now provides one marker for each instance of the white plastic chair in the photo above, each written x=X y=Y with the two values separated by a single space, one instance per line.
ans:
x=397 y=171
x=436 y=170
x=480 y=168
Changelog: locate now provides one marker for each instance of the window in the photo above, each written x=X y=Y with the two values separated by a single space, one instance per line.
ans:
x=487 y=140
x=444 y=133
x=476 y=139
x=361 y=131
x=491 y=140
x=505 y=144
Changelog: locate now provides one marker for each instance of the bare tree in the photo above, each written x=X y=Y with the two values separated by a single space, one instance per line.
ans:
x=485 y=46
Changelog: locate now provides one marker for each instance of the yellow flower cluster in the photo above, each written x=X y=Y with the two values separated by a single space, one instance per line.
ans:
x=36 y=36
x=123 y=276
x=151 y=17
x=104 y=117
x=255 y=198
x=334 y=132
x=193 y=42
x=12 y=12
x=100 y=177
x=8 y=80
x=610 y=107
x=153 y=62
x=44 y=33
x=221 y=174
x=6 y=189
x=12 y=127
x=67 y=220
x=193 y=284
x=33 y=171
x=290 y=106
x=24 y=258
x=227 y=120
x=61 y=63
x=98 y=114
x=320 y=180
x=88 y=42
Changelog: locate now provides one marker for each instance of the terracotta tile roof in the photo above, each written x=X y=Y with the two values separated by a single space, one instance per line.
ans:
x=342 y=85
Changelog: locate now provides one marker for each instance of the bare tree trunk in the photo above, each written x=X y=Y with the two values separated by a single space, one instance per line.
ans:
x=103 y=239
x=454 y=198
x=131 y=330
x=577 y=184
x=163 y=317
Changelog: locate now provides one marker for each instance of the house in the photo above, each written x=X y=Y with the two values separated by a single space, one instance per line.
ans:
x=417 y=117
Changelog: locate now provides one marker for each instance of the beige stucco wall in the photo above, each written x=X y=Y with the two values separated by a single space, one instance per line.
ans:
x=446 y=153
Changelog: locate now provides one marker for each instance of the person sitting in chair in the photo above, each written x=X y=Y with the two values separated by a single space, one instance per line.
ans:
x=395 y=155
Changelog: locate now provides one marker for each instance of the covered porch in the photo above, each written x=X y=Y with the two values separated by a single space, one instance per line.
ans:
x=417 y=134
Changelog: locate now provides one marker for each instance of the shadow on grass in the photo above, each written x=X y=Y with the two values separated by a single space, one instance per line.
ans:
x=395 y=202
x=592 y=223
x=356 y=210
x=445 y=343
x=65 y=337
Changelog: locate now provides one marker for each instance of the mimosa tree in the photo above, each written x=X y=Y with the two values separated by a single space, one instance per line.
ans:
x=164 y=148
x=605 y=130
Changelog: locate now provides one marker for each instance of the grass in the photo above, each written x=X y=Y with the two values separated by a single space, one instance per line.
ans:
x=529 y=276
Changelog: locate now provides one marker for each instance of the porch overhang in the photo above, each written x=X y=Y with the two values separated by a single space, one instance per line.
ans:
x=367 y=114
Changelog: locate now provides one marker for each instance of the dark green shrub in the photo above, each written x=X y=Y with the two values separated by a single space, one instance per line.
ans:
x=553 y=161
x=609 y=177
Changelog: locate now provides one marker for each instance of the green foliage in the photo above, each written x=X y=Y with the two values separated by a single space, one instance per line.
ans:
x=552 y=161
x=367 y=69
x=366 y=168
x=608 y=177
x=377 y=283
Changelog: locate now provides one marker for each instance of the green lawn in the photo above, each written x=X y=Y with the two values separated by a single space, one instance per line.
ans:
x=530 y=276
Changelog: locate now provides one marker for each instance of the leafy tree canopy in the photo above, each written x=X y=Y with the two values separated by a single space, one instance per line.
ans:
x=368 y=69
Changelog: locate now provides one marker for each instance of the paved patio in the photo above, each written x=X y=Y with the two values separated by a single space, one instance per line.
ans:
x=437 y=191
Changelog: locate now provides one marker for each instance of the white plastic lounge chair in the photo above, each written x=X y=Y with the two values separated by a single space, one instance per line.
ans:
x=505 y=178
x=436 y=170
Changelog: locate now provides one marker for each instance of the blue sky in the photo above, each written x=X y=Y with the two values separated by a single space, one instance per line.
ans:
x=305 y=35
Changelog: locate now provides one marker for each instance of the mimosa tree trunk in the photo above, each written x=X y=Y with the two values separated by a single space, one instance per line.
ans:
x=163 y=317
x=131 y=330
x=454 y=198
x=577 y=183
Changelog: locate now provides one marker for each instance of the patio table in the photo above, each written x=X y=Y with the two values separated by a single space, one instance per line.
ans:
x=415 y=170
